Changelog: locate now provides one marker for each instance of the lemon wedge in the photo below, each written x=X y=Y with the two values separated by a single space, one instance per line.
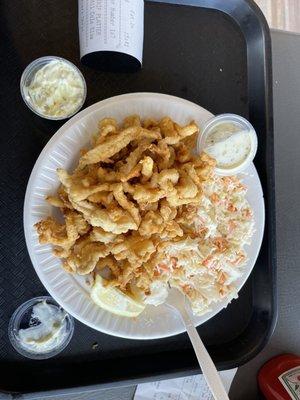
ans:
x=113 y=300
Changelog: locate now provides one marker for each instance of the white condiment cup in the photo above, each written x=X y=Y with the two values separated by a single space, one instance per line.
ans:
x=243 y=126
x=28 y=75
x=21 y=320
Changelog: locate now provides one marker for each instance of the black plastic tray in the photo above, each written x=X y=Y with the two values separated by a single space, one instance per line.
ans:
x=213 y=52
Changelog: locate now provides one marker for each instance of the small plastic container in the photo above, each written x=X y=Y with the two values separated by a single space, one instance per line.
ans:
x=242 y=125
x=22 y=319
x=28 y=76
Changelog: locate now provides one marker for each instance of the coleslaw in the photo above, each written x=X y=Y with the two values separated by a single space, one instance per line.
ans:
x=205 y=264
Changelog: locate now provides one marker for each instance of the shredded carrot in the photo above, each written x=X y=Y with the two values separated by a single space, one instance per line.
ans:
x=209 y=262
x=246 y=213
x=231 y=208
x=232 y=225
x=214 y=198
x=221 y=243
x=240 y=258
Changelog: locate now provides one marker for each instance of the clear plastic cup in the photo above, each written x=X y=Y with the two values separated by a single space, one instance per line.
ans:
x=22 y=319
x=242 y=125
x=28 y=75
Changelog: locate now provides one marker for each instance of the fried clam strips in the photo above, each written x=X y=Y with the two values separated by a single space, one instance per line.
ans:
x=163 y=154
x=135 y=249
x=115 y=143
x=204 y=166
x=153 y=223
x=64 y=235
x=144 y=276
x=160 y=221
x=179 y=188
x=125 y=203
x=61 y=200
x=156 y=189
x=76 y=190
x=83 y=260
x=110 y=263
x=133 y=252
x=144 y=193
x=180 y=133
x=107 y=126
x=112 y=219
x=134 y=156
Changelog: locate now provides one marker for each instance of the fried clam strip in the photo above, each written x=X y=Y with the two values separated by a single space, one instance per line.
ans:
x=63 y=236
x=144 y=194
x=55 y=201
x=85 y=260
x=152 y=223
x=168 y=127
x=147 y=167
x=106 y=175
x=204 y=166
x=145 y=275
x=61 y=200
x=179 y=189
x=134 y=157
x=135 y=249
x=104 y=198
x=115 y=143
x=100 y=235
x=182 y=133
x=132 y=120
x=106 y=126
x=125 y=203
x=125 y=275
x=77 y=191
x=110 y=263
x=115 y=220
x=163 y=154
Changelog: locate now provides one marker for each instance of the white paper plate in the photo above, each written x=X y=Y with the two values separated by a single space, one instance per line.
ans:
x=62 y=151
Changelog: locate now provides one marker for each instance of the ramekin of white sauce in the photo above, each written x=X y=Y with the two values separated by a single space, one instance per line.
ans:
x=40 y=328
x=53 y=88
x=231 y=140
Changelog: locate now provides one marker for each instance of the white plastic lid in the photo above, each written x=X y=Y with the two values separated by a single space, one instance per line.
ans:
x=243 y=125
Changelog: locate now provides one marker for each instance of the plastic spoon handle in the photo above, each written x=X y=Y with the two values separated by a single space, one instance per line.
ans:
x=207 y=366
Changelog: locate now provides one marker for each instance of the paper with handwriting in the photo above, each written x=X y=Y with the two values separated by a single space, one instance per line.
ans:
x=111 y=25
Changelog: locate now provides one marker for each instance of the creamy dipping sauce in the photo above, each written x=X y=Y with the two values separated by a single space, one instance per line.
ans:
x=46 y=330
x=228 y=144
x=56 y=90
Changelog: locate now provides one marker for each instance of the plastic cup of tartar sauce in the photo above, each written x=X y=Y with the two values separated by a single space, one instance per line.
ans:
x=40 y=328
x=53 y=88
x=231 y=140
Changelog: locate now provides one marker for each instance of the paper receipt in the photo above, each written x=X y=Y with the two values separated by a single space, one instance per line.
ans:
x=188 y=388
x=111 y=25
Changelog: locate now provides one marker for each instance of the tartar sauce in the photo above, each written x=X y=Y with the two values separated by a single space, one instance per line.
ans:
x=228 y=144
x=46 y=328
x=56 y=90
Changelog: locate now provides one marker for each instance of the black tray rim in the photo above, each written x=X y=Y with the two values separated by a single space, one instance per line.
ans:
x=230 y=9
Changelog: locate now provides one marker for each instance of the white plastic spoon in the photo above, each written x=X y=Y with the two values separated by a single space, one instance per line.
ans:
x=177 y=300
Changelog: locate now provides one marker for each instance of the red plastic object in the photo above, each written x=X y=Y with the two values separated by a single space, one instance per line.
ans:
x=279 y=378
